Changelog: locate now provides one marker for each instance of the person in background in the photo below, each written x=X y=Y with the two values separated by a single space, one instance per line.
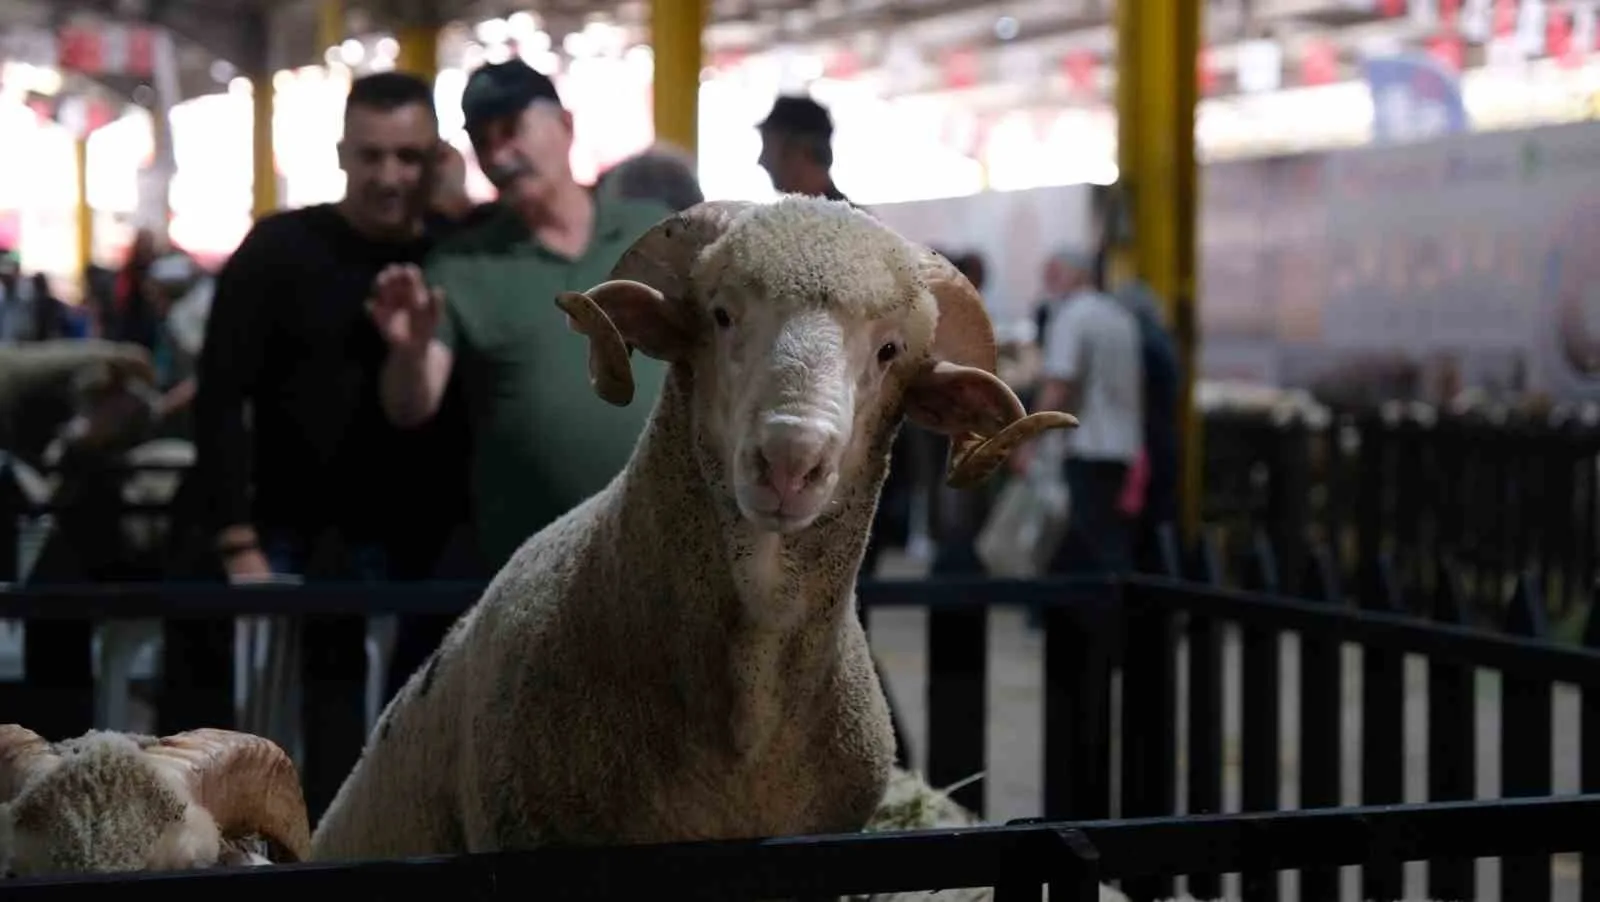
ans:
x=183 y=292
x=1092 y=368
x=495 y=281
x=134 y=316
x=664 y=174
x=797 y=148
x=289 y=343
x=1162 y=380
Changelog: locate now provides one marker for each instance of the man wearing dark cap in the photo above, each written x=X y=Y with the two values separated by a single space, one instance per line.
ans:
x=797 y=148
x=540 y=442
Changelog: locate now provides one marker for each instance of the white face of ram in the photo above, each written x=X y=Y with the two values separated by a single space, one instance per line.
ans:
x=805 y=373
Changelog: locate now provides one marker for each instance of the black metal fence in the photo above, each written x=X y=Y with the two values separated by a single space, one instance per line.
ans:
x=1404 y=493
x=1019 y=860
x=1174 y=640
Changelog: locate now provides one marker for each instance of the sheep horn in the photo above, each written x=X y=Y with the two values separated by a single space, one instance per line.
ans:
x=965 y=336
x=974 y=459
x=23 y=754
x=662 y=256
x=609 y=371
x=247 y=783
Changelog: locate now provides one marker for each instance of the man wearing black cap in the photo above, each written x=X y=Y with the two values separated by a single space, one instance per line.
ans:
x=540 y=445
x=797 y=148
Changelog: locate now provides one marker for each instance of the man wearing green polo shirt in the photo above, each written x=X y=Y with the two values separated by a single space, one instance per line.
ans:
x=541 y=444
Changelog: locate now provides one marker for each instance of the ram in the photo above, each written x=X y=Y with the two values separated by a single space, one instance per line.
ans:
x=118 y=802
x=679 y=656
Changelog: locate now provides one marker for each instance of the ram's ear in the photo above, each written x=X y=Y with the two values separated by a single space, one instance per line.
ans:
x=979 y=413
x=617 y=316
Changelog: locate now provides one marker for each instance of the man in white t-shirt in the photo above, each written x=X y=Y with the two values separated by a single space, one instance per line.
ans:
x=1092 y=367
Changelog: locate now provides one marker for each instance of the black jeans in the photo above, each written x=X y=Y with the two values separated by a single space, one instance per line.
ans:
x=1099 y=538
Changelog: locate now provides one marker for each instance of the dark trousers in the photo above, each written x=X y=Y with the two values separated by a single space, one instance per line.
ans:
x=1099 y=538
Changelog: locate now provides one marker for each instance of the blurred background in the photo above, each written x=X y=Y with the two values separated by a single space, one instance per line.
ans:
x=964 y=123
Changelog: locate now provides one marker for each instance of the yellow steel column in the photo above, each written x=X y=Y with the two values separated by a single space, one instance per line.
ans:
x=1158 y=43
x=676 y=30
x=330 y=23
x=419 y=49
x=85 y=212
x=262 y=156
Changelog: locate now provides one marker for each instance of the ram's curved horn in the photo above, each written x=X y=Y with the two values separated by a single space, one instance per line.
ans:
x=662 y=257
x=247 y=783
x=658 y=263
x=23 y=755
x=964 y=334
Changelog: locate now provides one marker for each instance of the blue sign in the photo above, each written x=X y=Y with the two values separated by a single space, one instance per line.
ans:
x=1414 y=98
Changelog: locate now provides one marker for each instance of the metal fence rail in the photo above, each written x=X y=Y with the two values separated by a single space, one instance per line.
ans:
x=1019 y=859
x=1147 y=628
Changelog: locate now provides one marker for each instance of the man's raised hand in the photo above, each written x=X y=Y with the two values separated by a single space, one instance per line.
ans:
x=405 y=310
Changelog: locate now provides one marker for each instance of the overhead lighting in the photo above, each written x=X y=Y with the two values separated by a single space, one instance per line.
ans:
x=1006 y=28
x=352 y=52
x=493 y=31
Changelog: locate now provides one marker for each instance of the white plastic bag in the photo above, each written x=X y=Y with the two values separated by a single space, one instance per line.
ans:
x=1028 y=520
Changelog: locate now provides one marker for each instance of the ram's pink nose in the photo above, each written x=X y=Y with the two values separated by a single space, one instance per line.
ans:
x=793 y=460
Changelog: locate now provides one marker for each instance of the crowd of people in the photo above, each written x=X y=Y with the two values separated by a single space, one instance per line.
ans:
x=381 y=388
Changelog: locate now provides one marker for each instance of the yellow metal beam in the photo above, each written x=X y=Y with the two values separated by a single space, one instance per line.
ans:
x=1158 y=44
x=330 y=23
x=85 y=213
x=419 y=49
x=264 y=162
x=677 y=28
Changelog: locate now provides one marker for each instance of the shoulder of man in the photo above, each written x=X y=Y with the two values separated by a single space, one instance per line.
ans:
x=633 y=217
x=489 y=228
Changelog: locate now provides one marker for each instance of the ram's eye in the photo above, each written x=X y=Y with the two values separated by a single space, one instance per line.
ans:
x=888 y=352
x=721 y=318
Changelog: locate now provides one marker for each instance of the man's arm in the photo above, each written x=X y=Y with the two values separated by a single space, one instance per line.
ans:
x=421 y=333
x=1062 y=365
x=227 y=374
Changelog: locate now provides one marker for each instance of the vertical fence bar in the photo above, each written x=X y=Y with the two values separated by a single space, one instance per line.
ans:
x=1321 y=717
x=1525 y=740
x=1205 y=718
x=1260 y=747
x=1149 y=722
x=56 y=696
x=958 y=687
x=332 y=704
x=1383 y=689
x=1077 y=705
x=1452 y=736
x=196 y=680
x=1589 y=750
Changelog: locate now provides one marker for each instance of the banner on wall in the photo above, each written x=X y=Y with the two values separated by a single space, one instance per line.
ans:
x=1399 y=270
x=1414 y=98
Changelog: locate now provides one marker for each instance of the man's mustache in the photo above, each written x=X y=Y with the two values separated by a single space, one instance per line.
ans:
x=501 y=175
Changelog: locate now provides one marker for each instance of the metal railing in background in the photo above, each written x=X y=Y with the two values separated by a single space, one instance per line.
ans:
x=1407 y=493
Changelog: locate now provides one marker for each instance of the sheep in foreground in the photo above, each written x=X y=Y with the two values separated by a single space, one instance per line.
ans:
x=117 y=802
x=678 y=657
